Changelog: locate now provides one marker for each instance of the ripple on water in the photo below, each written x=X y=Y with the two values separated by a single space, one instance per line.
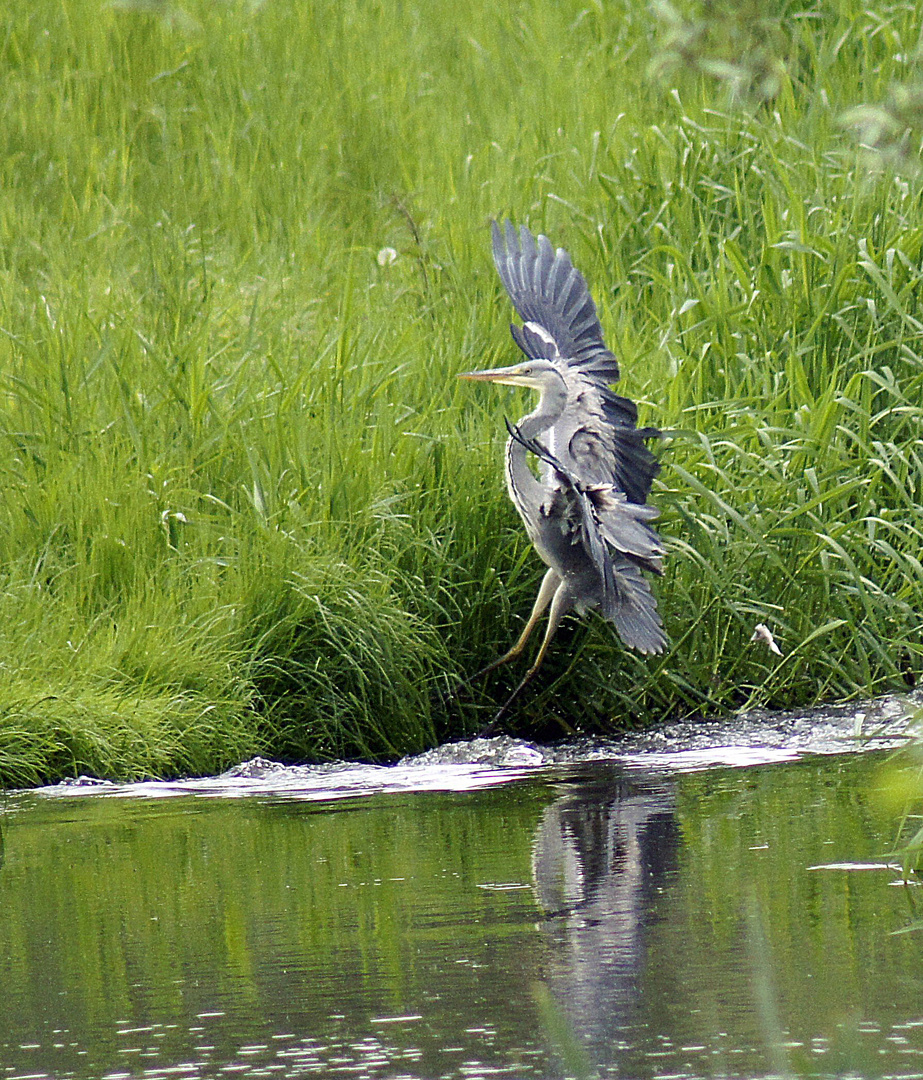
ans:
x=749 y=739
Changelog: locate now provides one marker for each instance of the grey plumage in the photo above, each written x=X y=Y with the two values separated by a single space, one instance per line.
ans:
x=615 y=535
x=585 y=512
x=599 y=430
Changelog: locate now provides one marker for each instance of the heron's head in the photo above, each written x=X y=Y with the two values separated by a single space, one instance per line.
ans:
x=536 y=374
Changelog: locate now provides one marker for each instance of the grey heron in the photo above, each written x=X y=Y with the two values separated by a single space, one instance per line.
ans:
x=585 y=511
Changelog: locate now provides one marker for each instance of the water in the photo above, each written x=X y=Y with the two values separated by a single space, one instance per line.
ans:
x=495 y=909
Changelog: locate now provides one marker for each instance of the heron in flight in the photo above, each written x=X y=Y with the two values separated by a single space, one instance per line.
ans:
x=585 y=511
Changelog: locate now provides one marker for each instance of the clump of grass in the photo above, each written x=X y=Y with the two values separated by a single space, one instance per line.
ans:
x=245 y=505
x=139 y=690
x=341 y=664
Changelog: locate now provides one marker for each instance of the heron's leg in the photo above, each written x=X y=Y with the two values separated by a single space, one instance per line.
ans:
x=561 y=603
x=550 y=583
x=547 y=589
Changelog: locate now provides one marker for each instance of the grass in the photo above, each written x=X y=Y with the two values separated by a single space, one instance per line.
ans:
x=245 y=505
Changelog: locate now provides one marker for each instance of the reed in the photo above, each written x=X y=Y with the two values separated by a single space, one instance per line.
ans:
x=246 y=508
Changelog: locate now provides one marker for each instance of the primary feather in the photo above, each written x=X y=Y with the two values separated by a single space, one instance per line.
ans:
x=597 y=434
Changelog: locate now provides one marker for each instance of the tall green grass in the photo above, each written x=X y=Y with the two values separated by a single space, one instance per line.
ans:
x=246 y=507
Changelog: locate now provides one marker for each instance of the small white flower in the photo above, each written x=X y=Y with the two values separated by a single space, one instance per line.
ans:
x=761 y=632
x=387 y=256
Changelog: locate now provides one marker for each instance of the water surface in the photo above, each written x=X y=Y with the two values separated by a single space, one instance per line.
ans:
x=633 y=922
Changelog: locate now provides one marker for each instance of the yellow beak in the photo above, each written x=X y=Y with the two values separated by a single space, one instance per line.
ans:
x=508 y=375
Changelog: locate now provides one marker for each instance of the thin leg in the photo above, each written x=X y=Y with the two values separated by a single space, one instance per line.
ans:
x=560 y=605
x=549 y=585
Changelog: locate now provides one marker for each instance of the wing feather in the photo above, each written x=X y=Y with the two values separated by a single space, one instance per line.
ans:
x=546 y=288
x=599 y=441
x=602 y=518
x=638 y=622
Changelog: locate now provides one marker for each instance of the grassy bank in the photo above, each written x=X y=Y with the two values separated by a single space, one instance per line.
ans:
x=245 y=506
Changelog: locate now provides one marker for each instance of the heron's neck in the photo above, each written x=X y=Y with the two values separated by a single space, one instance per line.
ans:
x=524 y=488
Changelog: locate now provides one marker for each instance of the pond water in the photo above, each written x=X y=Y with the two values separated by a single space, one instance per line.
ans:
x=610 y=914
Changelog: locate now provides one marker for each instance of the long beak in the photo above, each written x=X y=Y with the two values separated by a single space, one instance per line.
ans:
x=500 y=374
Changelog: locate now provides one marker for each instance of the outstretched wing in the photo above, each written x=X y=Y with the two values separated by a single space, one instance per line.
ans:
x=597 y=437
x=552 y=298
x=601 y=517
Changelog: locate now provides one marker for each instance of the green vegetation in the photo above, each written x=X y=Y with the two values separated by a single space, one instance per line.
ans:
x=245 y=506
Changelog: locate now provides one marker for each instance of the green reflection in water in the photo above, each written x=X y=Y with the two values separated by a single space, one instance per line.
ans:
x=121 y=914
x=748 y=915
x=674 y=926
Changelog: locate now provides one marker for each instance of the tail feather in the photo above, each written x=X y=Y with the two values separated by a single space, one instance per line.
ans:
x=633 y=611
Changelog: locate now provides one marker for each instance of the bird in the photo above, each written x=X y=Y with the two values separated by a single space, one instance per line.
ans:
x=585 y=510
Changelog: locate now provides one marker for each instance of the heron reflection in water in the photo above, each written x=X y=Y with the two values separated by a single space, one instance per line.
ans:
x=585 y=511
